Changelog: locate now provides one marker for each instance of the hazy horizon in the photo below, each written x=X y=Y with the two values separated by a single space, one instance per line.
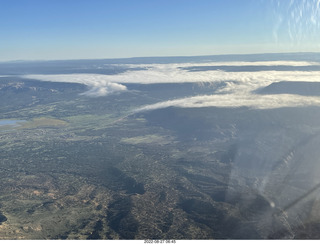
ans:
x=163 y=57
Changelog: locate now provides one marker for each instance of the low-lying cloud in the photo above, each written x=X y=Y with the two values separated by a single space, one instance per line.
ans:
x=99 y=85
x=104 y=90
x=238 y=89
x=237 y=100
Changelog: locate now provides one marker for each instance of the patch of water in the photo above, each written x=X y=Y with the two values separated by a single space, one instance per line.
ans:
x=11 y=123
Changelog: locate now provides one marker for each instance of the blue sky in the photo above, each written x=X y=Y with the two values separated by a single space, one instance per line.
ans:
x=72 y=29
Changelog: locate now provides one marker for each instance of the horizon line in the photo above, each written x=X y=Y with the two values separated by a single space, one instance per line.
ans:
x=149 y=57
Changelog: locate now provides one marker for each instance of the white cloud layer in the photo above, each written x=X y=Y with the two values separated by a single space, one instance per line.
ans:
x=99 y=85
x=237 y=92
x=237 y=100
